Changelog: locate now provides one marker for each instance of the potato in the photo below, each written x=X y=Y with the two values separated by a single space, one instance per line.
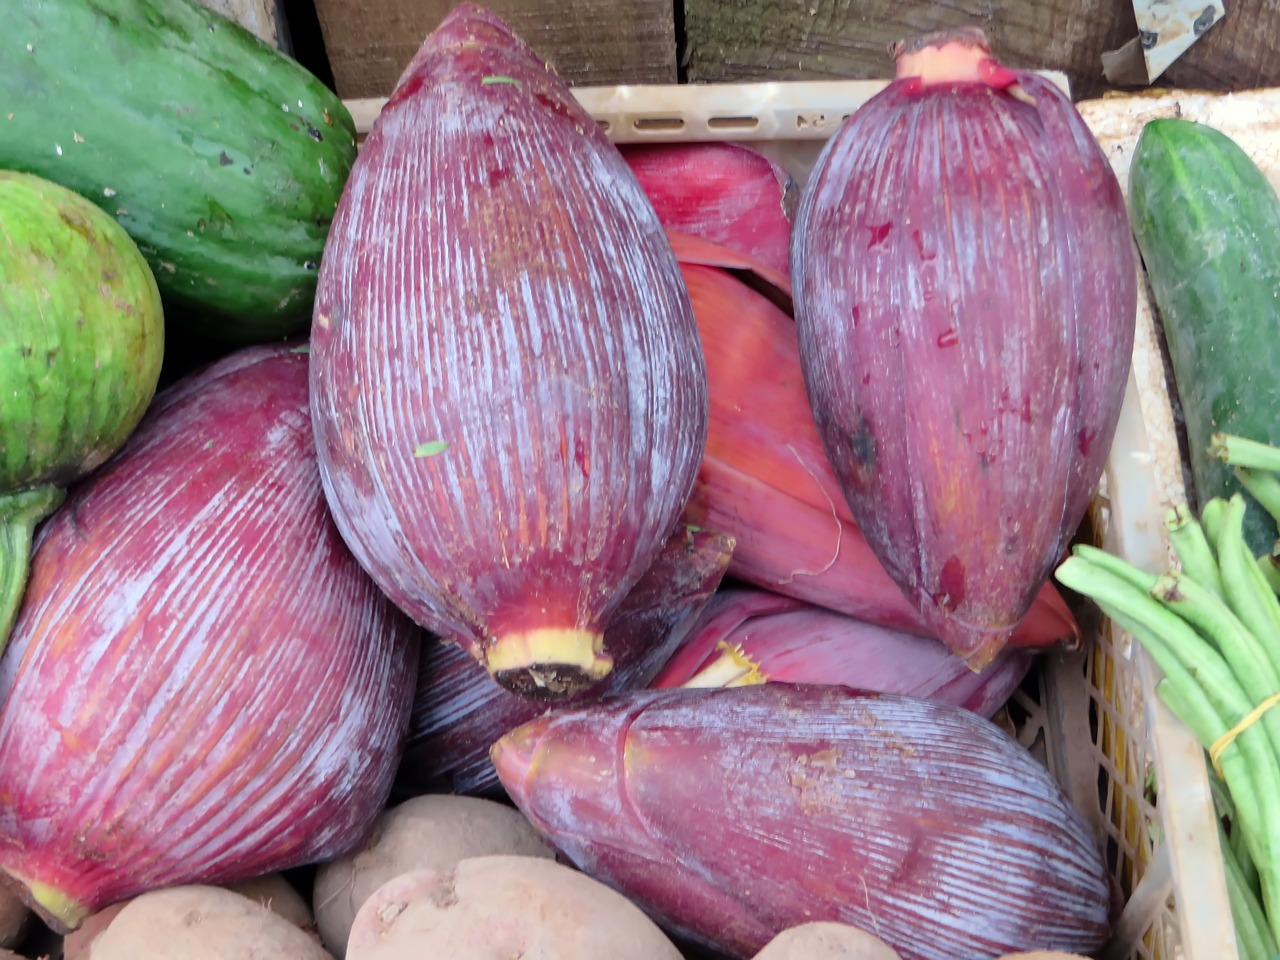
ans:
x=272 y=891
x=503 y=906
x=75 y=945
x=202 y=923
x=280 y=895
x=434 y=831
x=14 y=917
x=826 y=941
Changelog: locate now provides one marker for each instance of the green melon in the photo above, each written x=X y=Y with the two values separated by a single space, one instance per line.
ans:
x=81 y=343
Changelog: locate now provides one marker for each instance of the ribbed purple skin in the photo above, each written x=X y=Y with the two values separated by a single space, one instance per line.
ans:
x=459 y=711
x=796 y=642
x=495 y=280
x=202 y=684
x=965 y=295
x=730 y=815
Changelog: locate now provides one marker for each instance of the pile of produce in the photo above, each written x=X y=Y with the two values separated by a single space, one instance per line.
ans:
x=1212 y=620
x=632 y=557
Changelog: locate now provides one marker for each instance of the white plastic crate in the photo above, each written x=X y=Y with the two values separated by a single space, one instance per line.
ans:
x=1131 y=767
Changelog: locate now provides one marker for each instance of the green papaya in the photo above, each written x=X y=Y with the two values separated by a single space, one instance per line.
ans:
x=222 y=157
x=81 y=345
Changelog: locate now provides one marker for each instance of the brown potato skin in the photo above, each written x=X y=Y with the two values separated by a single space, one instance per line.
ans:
x=436 y=831
x=272 y=890
x=202 y=923
x=486 y=907
x=76 y=944
x=822 y=940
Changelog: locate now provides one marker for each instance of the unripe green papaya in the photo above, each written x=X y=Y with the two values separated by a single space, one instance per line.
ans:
x=81 y=343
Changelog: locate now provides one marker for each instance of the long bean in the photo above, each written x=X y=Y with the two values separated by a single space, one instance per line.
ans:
x=1210 y=689
x=1211 y=519
x=1267 y=597
x=1180 y=695
x=1116 y=566
x=1217 y=702
x=1226 y=808
x=1215 y=621
x=1268 y=564
x=1253 y=820
x=1195 y=553
x=1253 y=936
x=1263 y=486
x=1258 y=609
x=1240 y=650
x=1237 y=451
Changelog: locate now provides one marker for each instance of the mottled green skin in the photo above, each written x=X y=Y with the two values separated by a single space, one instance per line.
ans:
x=81 y=334
x=1207 y=222
x=223 y=158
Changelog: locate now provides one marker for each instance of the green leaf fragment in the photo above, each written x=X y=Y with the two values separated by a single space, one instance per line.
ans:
x=431 y=448
x=489 y=81
x=305 y=348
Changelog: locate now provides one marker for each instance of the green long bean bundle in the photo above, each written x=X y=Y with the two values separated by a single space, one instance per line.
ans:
x=1213 y=627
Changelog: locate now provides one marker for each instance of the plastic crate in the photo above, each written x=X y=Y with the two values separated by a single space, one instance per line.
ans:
x=1091 y=715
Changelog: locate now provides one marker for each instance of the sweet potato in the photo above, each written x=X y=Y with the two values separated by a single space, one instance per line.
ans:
x=826 y=941
x=503 y=906
x=435 y=831
x=202 y=923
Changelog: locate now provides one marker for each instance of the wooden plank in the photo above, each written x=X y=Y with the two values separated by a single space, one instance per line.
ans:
x=264 y=18
x=734 y=40
x=1238 y=53
x=370 y=42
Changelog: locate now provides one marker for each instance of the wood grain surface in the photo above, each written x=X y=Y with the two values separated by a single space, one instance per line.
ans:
x=734 y=40
x=261 y=17
x=587 y=41
x=1240 y=52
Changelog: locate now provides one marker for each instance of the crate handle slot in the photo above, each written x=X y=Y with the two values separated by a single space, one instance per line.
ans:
x=733 y=123
x=657 y=124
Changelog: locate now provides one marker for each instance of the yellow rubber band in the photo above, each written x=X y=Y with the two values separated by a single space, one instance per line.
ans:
x=1224 y=741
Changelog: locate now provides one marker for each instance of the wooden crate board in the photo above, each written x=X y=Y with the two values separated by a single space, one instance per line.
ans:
x=744 y=40
x=263 y=18
x=596 y=41
x=736 y=40
x=1240 y=52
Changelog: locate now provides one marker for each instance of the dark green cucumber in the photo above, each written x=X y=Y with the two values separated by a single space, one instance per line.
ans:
x=221 y=157
x=1207 y=222
x=81 y=343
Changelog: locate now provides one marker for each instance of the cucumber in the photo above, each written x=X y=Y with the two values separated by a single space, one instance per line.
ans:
x=221 y=157
x=81 y=345
x=1207 y=223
